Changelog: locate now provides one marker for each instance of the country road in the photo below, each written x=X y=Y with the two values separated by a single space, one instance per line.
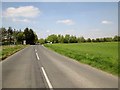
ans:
x=38 y=67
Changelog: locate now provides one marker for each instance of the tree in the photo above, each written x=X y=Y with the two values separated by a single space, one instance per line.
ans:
x=26 y=32
x=109 y=39
x=52 y=38
x=81 y=39
x=15 y=33
x=93 y=40
x=60 y=38
x=36 y=38
x=46 y=40
x=41 y=41
x=10 y=32
x=101 y=39
x=30 y=36
x=0 y=35
x=118 y=38
x=104 y=39
x=73 y=39
x=88 y=40
x=115 y=38
x=20 y=37
x=3 y=35
x=67 y=38
x=10 y=36
x=97 y=40
x=3 y=31
x=78 y=40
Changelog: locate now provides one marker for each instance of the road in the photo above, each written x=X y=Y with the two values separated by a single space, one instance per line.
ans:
x=38 y=67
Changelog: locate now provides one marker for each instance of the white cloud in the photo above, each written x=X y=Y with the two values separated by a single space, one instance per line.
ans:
x=106 y=22
x=20 y=20
x=23 y=11
x=66 y=21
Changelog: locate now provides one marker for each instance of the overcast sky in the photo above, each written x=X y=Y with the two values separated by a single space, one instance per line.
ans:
x=93 y=19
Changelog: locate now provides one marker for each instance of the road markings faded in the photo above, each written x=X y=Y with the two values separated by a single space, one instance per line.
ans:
x=35 y=50
x=47 y=80
x=37 y=56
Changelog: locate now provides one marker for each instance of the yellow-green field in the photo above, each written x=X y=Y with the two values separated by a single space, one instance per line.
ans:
x=103 y=56
x=8 y=50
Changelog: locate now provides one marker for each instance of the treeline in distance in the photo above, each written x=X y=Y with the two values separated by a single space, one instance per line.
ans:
x=12 y=36
x=73 y=39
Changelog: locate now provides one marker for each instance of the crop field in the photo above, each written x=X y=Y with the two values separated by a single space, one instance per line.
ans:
x=103 y=56
x=8 y=50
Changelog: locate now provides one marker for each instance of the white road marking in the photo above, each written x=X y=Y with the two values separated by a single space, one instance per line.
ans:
x=35 y=50
x=47 y=80
x=37 y=56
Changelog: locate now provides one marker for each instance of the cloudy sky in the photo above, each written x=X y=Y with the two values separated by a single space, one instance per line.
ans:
x=93 y=19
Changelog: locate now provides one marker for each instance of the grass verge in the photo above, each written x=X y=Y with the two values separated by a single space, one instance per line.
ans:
x=8 y=50
x=103 y=56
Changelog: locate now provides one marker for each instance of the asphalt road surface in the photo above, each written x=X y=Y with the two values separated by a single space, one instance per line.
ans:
x=38 y=67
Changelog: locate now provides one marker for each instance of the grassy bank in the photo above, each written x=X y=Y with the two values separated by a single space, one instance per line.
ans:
x=6 y=51
x=103 y=56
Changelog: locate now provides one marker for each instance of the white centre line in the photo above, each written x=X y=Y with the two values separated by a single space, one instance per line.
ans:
x=37 y=56
x=47 y=80
x=35 y=50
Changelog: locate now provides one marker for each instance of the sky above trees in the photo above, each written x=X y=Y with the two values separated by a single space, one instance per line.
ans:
x=91 y=20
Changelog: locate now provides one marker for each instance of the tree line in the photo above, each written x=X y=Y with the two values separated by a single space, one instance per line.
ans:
x=12 y=36
x=73 y=39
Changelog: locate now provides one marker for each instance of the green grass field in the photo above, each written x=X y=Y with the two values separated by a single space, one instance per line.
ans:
x=8 y=50
x=103 y=56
